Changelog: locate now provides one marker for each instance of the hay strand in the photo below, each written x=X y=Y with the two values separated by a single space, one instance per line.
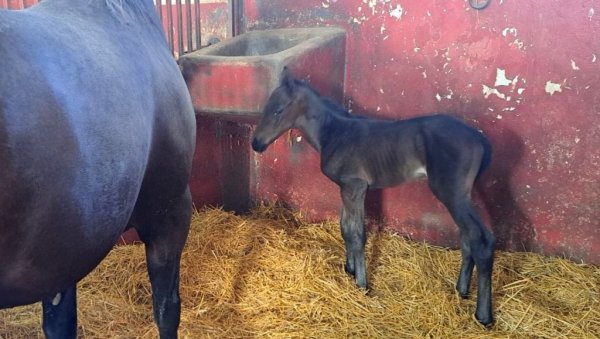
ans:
x=270 y=274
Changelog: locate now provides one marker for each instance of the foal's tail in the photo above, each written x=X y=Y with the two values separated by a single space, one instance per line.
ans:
x=487 y=156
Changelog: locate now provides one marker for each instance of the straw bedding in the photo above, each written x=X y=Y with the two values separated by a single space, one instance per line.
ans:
x=270 y=274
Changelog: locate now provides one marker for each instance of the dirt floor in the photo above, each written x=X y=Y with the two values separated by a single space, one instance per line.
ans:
x=273 y=275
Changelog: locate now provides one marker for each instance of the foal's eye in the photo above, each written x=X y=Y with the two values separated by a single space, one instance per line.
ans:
x=279 y=111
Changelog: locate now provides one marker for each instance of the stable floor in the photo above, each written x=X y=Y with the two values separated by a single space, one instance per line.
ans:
x=271 y=274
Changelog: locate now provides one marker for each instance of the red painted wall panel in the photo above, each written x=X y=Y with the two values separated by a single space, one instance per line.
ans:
x=526 y=73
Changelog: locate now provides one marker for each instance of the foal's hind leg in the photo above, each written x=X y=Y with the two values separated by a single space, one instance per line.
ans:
x=60 y=314
x=353 y=229
x=477 y=245
x=164 y=229
x=453 y=189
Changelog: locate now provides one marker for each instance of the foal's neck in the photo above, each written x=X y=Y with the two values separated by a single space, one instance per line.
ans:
x=318 y=115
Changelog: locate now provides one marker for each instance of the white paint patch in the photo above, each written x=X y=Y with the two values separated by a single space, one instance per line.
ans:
x=552 y=88
x=510 y=30
x=298 y=139
x=424 y=74
x=591 y=13
x=397 y=12
x=438 y=97
x=325 y=4
x=378 y=108
x=577 y=140
x=520 y=45
x=56 y=299
x=372 y=4
x=520 y=90
x=499 y=117
x=382 y=29
x=487 y=91
x=416 y=49
x=381 y=91
x=501 y=79
x=594 y=57
x=574 y=65
x=509 y=109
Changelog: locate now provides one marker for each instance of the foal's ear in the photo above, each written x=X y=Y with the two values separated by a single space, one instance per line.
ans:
x=287 y=79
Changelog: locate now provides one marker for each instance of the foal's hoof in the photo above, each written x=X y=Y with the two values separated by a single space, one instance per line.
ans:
x=348 y=270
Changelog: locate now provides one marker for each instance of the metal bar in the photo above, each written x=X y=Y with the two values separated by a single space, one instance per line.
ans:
x=159 y=9
x=235 y=17
x=170 y=25
x=198 y=27
x=231 y=25
x=190 y=41
x=179 y=28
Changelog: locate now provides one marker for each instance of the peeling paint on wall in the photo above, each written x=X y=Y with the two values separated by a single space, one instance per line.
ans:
x=501 y=79
x=487 y=91
x=574 y=65
x=397 y=12
x=509 y=30
x=552 y=88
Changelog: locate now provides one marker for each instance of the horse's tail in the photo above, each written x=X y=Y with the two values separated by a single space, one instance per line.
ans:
x=487 y=155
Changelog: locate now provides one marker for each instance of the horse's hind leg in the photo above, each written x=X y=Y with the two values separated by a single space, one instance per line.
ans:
x=353 y=229
x=60 y=314
x=164 y=228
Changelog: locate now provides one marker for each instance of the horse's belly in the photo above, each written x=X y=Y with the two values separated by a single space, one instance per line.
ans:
x=60 y=233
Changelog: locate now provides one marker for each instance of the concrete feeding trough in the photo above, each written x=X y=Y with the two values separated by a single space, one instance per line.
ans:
x=235 y=77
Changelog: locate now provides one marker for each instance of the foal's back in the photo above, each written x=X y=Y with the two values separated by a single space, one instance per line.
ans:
x=388 y=152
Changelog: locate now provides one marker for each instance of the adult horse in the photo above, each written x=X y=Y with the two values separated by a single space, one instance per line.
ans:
x=358 y=153
x=97 y=135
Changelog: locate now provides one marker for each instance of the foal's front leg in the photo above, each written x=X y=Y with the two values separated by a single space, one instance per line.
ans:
x=353 y=230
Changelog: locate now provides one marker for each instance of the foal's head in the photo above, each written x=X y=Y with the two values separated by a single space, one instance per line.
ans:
x=284 y=106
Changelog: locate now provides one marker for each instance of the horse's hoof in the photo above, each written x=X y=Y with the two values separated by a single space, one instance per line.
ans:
x=487 y=322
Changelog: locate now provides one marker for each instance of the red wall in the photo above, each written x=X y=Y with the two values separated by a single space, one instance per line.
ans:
x=525 y=72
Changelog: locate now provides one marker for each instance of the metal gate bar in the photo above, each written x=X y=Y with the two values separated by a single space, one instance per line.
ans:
x=197 y=22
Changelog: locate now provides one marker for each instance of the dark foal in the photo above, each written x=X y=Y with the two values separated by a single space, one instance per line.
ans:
x=97 y=134
x=358 y=153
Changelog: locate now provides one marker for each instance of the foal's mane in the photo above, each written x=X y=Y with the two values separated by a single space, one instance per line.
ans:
x=332 y=105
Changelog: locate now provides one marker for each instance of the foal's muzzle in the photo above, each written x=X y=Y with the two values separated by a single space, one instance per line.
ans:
x=258 y=146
